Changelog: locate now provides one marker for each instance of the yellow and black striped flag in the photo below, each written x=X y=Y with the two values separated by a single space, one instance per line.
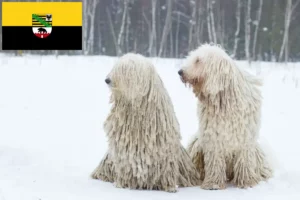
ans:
x=42 y=25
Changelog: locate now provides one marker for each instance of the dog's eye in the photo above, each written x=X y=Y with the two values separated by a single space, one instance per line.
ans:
x=197 y=61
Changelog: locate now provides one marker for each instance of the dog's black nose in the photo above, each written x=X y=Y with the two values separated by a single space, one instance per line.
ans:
x=180 y=72
x=107 y=81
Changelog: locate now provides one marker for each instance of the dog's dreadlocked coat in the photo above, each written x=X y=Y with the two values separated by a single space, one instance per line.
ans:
x=229 y=109
x=143 y=132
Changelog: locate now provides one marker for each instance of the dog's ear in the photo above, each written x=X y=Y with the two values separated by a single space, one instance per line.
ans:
x=139 y=83
x=219 y=74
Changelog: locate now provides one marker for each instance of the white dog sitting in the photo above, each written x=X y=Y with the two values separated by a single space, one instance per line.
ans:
x=143 y=132
x=229 y=110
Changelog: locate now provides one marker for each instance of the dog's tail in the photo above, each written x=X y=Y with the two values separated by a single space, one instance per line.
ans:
x=252 y=78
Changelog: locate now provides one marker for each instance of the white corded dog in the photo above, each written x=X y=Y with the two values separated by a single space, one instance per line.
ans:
x=143 y=132
x=225 y=147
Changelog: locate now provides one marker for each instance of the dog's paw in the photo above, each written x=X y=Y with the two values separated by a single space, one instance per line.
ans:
x=172 y=189
x=246 y=182
x=212 y=186
x=101 y=177
x=246 y=185
x=117 y=185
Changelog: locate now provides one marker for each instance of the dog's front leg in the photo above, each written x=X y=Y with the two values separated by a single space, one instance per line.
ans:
x=215 y=169
x=245 y=167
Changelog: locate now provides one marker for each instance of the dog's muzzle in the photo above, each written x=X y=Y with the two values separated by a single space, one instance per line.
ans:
x=107 y=81
x=182 y=77
x=180 y=72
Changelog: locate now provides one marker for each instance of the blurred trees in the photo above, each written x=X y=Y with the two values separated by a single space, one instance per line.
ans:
x=266 y=30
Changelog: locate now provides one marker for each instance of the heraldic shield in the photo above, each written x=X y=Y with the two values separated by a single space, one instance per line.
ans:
x=42 y=25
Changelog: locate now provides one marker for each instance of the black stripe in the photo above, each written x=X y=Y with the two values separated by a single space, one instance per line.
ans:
x=22 y=38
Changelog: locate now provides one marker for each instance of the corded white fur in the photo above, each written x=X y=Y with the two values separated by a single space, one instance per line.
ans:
x=143 y=132
x=229 y=109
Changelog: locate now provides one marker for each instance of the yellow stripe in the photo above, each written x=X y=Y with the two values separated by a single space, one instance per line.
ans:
x=20 y=13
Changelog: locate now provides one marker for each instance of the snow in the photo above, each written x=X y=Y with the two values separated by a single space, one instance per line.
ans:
x=51 y=116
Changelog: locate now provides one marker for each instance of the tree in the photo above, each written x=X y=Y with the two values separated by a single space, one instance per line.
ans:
x=91 y=12
x=238 y=25
x=248 y=31
x=192 y=24
x=152 y=43
x=121 y=32
x=256 y=29
x=211 y=22
x=287 y=20
x=167 y=28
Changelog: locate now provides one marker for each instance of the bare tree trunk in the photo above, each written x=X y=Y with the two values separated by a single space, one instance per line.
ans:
x=211 y=22
x=201 y=32
x=112 y=29
x=158 y=26
x=192 y=25
x=286 y=28
x=92 y=14
x=248 y=31
x=256 y=29
x=238 y=25
x=272 y=56
x=152 y=46
x=127 y=33
x=177 y=35
x=86 y=27
x=222 y=26
x=120 y=37
x=218 y=22
x=288 y=14
x=167 y=27
x=200 y=23
x=171 y=45
x=100 y=40
x=212 y=19
x=135 y=45
x=260 y=52
x=149 y=24
x=210 y=37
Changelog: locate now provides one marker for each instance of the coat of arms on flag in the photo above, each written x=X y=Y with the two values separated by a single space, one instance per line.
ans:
x=42 y=25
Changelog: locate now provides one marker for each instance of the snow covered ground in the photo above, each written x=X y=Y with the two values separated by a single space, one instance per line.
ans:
x=51 y=137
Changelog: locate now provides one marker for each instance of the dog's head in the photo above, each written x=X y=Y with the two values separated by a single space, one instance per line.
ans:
x=131 y=77
x=208 y=70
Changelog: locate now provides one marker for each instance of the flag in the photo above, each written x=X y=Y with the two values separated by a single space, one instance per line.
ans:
x=42 y=25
